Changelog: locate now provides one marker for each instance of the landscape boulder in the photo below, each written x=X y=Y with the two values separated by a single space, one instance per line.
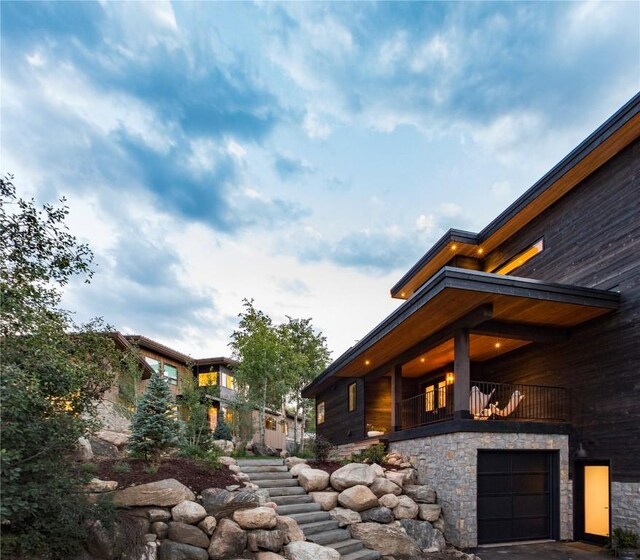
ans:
x=224 y=445
x=389 y=540
x=168 y=493
x=388 y=500
x=358 y=498
x=188 y=512
x=420 y=494
x=228 y=540
x=103 y=449
x=410 y=476
x=396 y=477
x=301 y=550
x=289 y=528
x=158 y=514
x=160 y=529
x=170 y=550
x=256 y=518
x=293 y=461
x=118 y=439
x=428 y=538
x=269 y=556
x=222 y=503
x=225 y=460
x=187 y=534
x=261 y=539
x=429 y=512
x=208 y=525
x=99 y=486
x=378 y=514
x=313 y=480
x=83 y=450
x=298 y=468
x=382 y=486
x=345 y=516
x=327 y=500
x=353 y=474
x=259 y=449
x=406 y=508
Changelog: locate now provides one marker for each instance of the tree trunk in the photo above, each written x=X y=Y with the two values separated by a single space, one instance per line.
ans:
x=295 y=426
x=304 y=420
x=263 y=412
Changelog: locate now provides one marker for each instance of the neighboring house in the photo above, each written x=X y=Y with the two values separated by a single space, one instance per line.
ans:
x=511 y=373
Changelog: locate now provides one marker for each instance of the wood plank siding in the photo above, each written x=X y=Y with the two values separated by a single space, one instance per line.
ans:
x=341 y=426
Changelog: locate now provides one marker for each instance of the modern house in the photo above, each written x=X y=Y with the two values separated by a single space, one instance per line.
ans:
x=510 y=374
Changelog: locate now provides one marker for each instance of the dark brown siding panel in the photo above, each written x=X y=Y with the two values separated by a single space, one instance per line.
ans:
x=341 y=426
x=377 y=395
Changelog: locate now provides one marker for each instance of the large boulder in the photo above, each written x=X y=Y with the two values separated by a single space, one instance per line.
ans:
x=261 y=539
x=382 y=486
x=103 y=449
x=255 y=518
x=428 y=538
x=406 y=508
x=83 y=450
x=313 y=480
x=208 y=524
x=222 y=503
x=358 y=498
x=293 y=461
x=345 y=516
x=118 y=439
x=110 y=544
x=160 y=529
x=187 y=534
x=353 y=474
x=420 y=494
x=100 y=486
x=301 y=550
x=327 y=500
x=168 y=493
x=429 y=512
x=410 y=476
x=170 y=550
x=396 y=477
x=266 y=555
x=158 y=514
x=289 y=528
x=259 y=449
x=378 y=514
x=298 y=468
x=228 y=540
x=188 y=512
x=389 y=540
x=388 y=500
x=224 y=445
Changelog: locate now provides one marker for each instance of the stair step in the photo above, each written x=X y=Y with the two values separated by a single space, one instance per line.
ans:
x=276 y=483
x=263 y=468
x=364 y=554
x=347 y=547
x=287 y=491
x=268 y=475
x=319 y=526
x=333 y=536
x=310 y=517
x=298 y=508
x=291 y=500
x=260 y=462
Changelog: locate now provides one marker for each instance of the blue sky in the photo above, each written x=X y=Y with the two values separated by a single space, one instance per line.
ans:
x=303 y=154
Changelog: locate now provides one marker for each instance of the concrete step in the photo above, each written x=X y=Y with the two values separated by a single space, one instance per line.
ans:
x=290 y=500
x=264 y=468
x=310 y=517
x=287 y=491
x=276 y=483
x=298 y=508
x=333 y=536
x=268 y=475
x=260 y=462
x=347 y=547
x=319 y=526
x=364 y=554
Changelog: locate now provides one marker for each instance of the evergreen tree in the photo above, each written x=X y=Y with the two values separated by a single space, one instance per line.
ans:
x=154 y=427
x=223 y=429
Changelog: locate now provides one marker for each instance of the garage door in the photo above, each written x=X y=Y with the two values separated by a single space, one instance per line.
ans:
x=517 y=496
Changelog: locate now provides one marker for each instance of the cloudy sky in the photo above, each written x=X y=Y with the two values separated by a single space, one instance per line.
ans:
x=302 y=154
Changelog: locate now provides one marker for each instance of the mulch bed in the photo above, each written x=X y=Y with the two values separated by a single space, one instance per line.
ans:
x=327 y=466
x=192 y=474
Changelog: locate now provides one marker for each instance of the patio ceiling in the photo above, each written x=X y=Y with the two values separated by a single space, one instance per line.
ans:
x=424 y=323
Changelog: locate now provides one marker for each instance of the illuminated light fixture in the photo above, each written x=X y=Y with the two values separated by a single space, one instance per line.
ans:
x=480 y=250
x=367 y=362
x=497 y=345
x=454 y=247
x=402 y=294
x=422 y=360
x=450 y=377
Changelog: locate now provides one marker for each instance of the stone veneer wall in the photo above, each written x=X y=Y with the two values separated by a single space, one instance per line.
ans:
x=625 y=505
x=345 y=450
x=448 y=463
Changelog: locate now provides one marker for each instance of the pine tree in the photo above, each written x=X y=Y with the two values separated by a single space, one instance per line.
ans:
x=223 y=429
x=154 y=427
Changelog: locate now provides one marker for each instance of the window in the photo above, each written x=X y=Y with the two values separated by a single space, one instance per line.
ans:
x=352 y=397
x=213 y=418
x=270 y=423
x=521 y=258
x=284 y=427
x=206 y=379
x=442 y=394
x=320 y=413
x=154 y=364
x=170 y=374
x=429 y=398
x=226 y=380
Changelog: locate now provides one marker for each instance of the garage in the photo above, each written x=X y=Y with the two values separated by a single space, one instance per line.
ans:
x=517 y=496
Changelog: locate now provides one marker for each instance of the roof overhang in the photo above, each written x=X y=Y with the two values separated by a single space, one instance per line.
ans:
x=609 y=139
x=489 y=305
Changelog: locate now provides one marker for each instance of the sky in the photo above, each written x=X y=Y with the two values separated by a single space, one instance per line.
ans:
x=301 y=154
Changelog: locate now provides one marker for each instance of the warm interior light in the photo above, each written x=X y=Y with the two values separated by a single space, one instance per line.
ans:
x=367 y=362
x=480 y=250
x=402 y=294
x=450 y=377
x=422 y=360
x=497 y=345
x=454 y=247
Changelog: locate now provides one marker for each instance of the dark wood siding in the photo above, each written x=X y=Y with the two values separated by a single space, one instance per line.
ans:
x=377 y=398
x=341 y=426
x=592 y=239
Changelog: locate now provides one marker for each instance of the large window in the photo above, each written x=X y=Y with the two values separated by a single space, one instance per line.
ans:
x=352 y=397
x=226 y=380
x=270 y=423
x=206 y=379
x=521 y=258
x=320 y=413
x=169 y=372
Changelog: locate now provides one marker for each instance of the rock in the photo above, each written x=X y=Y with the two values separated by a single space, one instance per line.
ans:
x=300 y=550
x=353 y=474
x=396 y=477
x=405 y=465
x=170 y=550
x=382 y=486
x=188 y=512
x=429 y=512
x=428 y=538
x=224 y=445
x=264 y=540
x=327 y=500
x=101 y=448
x=345 y=516
x=160 y=529
x=158 y=514
x=228 y=540
x=297 y=469
x=150 y=537
x=406 y=508
x=168 y=492
x=224 y=460
x=243 y=477
x=378 y=514
x=313 y=480
x=187 y=534
x=410 y=476
x=232 y=487
x=439 y=524
x=389 y=540
x=83 y=450
x=222 y=503
x=388 y=500
x=377 y=470
x=208 y=525
x=293 y=461
x=269 y=556
x=235 y=469
x=100 y=486
x=110 y=544
x=263 y=496
x=259 y=449
x=420 y=494
x=289 y=528
x=256 y=518
x=116 y=438
x=284 y=453
x=100 y=542
x=358 y=498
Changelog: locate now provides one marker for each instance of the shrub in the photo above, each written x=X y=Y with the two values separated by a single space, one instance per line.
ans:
x=624 y=539
x=375 y=453
x=89 y=468
x=223 y=429
x=151 y=469
x=322 y=448
x=122 y=468
x=209 y=457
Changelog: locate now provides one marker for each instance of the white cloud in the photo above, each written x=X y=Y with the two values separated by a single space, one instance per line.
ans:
x=426 y=223
x=450 y=210
x=315 y=128
x=236 y=150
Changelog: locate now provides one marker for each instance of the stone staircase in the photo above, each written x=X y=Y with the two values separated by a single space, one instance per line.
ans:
x=292 y=500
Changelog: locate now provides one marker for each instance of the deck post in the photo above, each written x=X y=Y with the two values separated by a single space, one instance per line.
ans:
x=462 y=372
x=396 y=398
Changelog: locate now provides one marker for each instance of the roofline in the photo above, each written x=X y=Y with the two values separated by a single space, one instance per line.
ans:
x=222 y=360
x=460 y=278
x=144 y=342
x=122 y=341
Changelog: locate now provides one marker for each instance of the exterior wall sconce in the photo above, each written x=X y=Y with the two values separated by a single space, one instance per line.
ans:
x=581 y=452
x=450 y=377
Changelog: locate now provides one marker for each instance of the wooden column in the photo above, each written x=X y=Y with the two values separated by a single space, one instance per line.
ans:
x=462 y=371
x=396 y=398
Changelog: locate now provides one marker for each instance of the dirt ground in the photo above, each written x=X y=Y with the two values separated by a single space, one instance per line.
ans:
x=543 y=551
